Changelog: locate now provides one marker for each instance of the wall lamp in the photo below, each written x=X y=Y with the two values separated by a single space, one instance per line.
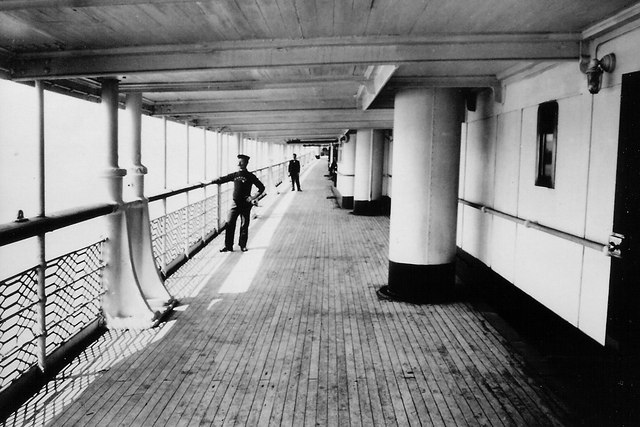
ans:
x=594 y=69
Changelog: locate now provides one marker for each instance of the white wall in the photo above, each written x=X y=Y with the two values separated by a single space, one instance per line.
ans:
x=498 y=169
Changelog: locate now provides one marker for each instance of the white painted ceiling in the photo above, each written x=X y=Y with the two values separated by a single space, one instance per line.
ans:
x=286 y=69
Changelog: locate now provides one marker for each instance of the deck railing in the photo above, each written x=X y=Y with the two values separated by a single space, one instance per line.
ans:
x=178 y=234
x=43 y=312
x=71 y=302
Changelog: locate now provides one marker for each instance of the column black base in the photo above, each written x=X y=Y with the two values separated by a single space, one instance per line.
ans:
x=370 y=207
x=345 y=202
x=420 y=284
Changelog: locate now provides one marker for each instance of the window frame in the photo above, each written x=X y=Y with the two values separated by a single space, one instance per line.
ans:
x=546 y=144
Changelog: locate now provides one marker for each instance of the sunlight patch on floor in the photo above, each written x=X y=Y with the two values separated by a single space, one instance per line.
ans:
x=245 y=271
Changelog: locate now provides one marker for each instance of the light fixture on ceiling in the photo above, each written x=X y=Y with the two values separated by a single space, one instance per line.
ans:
x=594 y=69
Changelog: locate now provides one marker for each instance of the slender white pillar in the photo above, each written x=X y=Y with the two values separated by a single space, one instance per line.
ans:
x=367 y=187
x=362 y=172
x=426 y=157
x=346 y=172
x=123 y=303
x=42 y=255
x=138 y=222
x=377 y=164
x=219 y=173
x=205 y=190
x=240 y=143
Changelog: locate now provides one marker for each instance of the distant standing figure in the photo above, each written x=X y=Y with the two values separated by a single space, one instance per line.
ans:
x=243 y=201
x=294 y=173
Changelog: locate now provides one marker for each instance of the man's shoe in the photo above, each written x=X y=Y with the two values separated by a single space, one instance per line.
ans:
x=244 y=249
x=226 y=249
x=299 y=189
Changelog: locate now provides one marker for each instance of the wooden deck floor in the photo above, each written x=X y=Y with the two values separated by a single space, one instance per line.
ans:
x=292 y=333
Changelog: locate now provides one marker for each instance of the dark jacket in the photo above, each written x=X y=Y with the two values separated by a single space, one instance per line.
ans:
x=242 y=182
x=294 y=167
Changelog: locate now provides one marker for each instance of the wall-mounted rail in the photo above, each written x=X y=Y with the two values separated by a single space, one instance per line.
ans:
x=532 y=224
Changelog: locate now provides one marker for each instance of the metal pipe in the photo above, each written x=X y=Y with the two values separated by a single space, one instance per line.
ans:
x=42 y=258
x=187 y=218
x=14 y=232
x=601 y=247
x=164 y=200
x=204 y=176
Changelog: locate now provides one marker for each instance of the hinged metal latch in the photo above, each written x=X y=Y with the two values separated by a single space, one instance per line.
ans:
x=614 y=248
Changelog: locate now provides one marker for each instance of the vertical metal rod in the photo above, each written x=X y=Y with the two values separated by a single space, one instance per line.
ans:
x=219 y=173
x=42 y=260
x=164 y=201
x=204 y=178
x=186 y=213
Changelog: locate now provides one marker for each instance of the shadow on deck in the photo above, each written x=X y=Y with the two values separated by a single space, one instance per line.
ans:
x=292 y=333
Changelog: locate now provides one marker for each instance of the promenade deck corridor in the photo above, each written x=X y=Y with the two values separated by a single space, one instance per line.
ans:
x=292 y=333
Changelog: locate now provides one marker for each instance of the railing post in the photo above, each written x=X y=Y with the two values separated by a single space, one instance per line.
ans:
x=186 y=210
x=205 y=189
x=219 y=152
x=164 y=200
x=42 y=259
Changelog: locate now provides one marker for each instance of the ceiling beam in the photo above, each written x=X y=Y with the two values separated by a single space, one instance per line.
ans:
x=443 y=81
x=312 y=127
x=295 y=53
x=325 y=133
x=304 y=117
x=211 y=107
x=7 y=5
x=203 y=86
x=612 y=23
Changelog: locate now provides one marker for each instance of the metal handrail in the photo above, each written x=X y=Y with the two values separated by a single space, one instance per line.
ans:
x=203 y=184
x=31 y=227
x=34 y=226
x=537 y=226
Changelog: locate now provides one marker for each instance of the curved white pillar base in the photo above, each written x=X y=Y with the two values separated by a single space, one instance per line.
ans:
x=141 y=249
x=135 y=296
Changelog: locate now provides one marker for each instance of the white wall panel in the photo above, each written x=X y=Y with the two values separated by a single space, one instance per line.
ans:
x=603 y=161
x=476 y=233
x=556 y=82
x=503 y=248
x=507 y=162
x=460 y=225
x=480 y=161
x=594 y=297
x=549 y=269
x=463 y=160
x=562 y=207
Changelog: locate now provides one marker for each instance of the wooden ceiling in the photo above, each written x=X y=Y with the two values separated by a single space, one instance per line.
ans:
x=289 y=69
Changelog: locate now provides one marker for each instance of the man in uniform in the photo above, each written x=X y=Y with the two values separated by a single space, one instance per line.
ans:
x=243 y=201
x=294 y=173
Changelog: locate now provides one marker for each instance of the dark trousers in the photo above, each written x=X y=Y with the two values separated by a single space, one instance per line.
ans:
x=244 y=212
x=295 y=181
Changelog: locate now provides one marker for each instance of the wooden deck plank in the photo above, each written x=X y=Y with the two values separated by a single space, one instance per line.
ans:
x=508 y=394
x=296 y=378
x=309 y=343
x=525 y=395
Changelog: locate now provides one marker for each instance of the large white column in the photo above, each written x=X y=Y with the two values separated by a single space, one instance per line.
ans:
x=426 y=157
x=138 y=220
x=123 y=303
x=367 y=186
x=346 y=172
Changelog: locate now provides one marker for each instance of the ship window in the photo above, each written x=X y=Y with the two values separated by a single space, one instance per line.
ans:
x=547 y=144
